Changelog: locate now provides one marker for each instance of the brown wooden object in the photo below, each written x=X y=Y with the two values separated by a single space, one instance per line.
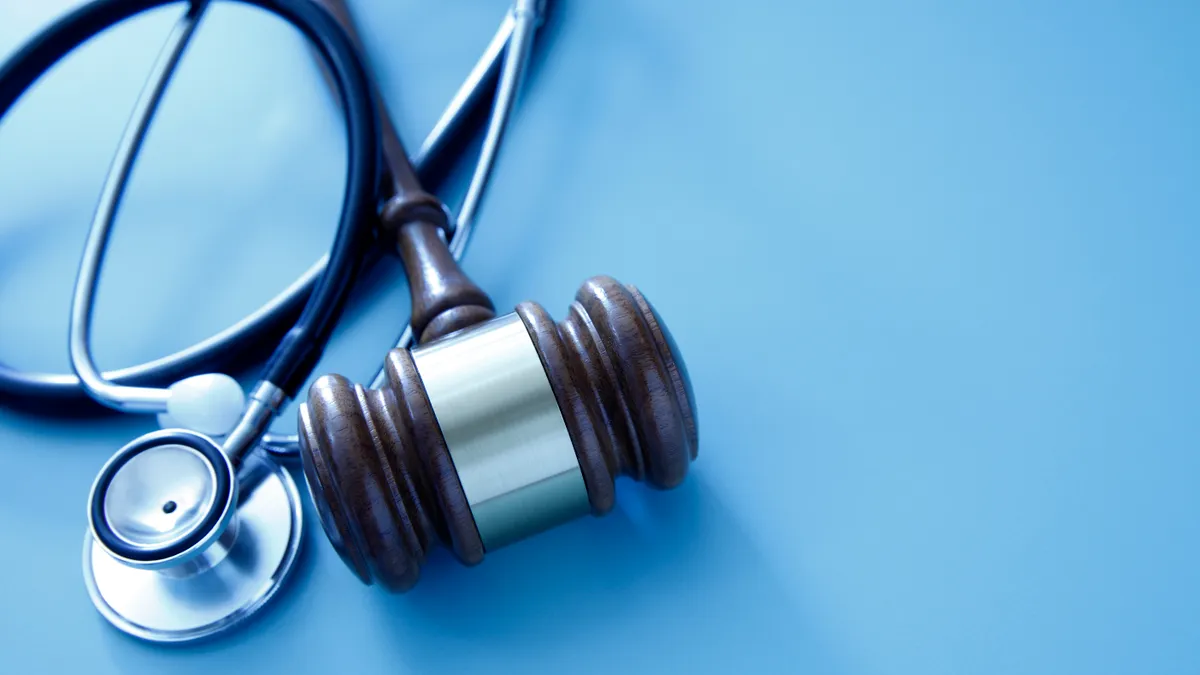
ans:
x=382 y=476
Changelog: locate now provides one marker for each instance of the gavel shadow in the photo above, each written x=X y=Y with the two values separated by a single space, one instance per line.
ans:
x=672 y=571
x=667 y=581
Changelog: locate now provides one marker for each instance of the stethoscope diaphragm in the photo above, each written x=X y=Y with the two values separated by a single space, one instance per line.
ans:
x=179 y=547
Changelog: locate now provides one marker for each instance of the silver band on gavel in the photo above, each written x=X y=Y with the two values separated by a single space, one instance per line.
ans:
x=504 y=430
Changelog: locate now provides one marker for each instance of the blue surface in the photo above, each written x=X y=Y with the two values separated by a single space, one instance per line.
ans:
x=933 y=269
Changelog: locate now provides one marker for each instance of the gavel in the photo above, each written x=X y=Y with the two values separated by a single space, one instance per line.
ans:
x=493 y=428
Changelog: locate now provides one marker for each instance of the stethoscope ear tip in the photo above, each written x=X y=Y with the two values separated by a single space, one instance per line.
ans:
x=210 y=403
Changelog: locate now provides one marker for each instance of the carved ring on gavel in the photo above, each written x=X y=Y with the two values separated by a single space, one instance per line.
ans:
x=497 y=432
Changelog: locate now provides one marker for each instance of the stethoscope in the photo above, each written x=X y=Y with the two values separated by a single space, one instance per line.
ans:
x=191 y=530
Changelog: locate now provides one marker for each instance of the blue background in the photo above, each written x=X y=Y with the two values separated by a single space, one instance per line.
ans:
x=932 y=265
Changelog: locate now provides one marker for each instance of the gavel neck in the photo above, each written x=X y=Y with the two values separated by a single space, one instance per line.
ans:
x=444 y=299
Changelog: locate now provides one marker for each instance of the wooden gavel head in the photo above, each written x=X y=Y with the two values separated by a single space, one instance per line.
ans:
x=498 y=431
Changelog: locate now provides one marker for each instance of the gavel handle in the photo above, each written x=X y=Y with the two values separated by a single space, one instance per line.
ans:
x=444 y=299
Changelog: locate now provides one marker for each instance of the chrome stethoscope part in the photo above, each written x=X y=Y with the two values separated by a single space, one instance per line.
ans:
x=163 y=499
x=180 y=546
x=210 y=403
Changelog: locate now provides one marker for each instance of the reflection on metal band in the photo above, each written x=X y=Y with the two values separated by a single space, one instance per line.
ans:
x=504 y=429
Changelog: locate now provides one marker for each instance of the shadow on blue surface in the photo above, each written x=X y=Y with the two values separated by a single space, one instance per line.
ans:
x=569 y=599
x=619 y=579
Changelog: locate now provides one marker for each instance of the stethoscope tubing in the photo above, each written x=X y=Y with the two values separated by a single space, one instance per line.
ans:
x=245 y=339
x=301 y=346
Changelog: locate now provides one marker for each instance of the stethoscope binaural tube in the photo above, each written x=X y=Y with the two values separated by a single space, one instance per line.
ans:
x=303 y=344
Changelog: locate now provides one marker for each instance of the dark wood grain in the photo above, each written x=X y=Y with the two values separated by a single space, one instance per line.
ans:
x=456 y=523
x=624 y=393
x=383 y=479
x=586 y=417
x=444 y=299
x=381 y=476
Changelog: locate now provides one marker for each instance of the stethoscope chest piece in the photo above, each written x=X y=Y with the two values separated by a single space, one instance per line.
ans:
x=180 y=545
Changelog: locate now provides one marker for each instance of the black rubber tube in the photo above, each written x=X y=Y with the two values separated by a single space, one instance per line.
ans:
x=301 y=347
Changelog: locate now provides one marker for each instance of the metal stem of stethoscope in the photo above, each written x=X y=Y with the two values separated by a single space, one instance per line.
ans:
x=119 y=397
